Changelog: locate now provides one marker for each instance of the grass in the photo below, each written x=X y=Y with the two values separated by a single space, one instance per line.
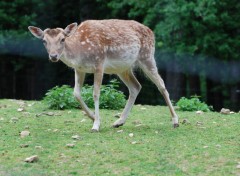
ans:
x=208 y=145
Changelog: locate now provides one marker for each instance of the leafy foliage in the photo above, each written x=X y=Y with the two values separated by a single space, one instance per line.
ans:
x=110 y=97
x=192 y=104
x=62 y=97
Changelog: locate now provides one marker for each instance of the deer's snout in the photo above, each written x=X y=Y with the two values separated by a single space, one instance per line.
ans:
x=53 y=57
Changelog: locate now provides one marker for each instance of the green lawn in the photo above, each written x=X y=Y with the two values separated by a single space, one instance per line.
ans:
x=208 y=145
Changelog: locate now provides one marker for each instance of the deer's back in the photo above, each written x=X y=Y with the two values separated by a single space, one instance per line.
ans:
x=120 y=42
x=114 y=33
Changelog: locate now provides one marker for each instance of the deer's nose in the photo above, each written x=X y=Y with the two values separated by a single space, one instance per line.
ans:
x=53 y=57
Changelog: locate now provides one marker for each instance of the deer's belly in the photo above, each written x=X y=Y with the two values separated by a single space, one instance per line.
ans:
x=114 y=66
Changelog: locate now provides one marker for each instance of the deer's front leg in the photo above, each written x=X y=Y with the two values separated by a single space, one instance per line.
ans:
x=98 y=76
x=79 y=79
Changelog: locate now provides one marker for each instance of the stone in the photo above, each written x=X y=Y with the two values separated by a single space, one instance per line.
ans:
x=225 y=111
x=32 y=159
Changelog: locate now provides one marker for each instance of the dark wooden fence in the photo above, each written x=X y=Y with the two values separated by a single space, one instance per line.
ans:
x=215 y=82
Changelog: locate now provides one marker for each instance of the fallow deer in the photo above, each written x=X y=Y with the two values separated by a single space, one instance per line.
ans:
x=105 y=46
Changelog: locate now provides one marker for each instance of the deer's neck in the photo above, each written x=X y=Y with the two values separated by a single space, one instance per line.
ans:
x=69 y=52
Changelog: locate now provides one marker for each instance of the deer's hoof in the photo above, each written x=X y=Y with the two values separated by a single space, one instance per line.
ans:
x=117 y=125
x=175 y=125
x=95 y=130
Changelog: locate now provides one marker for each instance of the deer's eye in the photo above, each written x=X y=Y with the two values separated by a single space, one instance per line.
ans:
x=62 y=40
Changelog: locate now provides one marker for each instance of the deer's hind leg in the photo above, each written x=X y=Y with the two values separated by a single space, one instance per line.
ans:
x=150 y=69
x=134 y=88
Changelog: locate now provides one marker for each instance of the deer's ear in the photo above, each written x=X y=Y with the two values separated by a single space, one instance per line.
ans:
x=37 y=32
x=70 y=29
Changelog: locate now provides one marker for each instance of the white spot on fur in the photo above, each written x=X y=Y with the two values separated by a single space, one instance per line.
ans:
x=89 y=48
x=83 y=43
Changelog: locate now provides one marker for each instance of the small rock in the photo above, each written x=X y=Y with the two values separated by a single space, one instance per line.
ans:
x=119 y=131
x=55 y=130
x=199 y=123
x=156 y=132
x=134 y=142
x=131 y=135
x=1 y=119
x=49 y=113
x=238 y=166
x=38 y=147
x=231 y=112
x=70 y=145
x=205 y=146
x=76 y=137
x=32 y=159
x=29 y=105
x=199 y=112
x=20 y=109
x=218 y=145
x=14 y=120
x=24 y=145
x=225 y=111
x=24 y=134
x=118 y=115
x=185 y=121
x=143 y=108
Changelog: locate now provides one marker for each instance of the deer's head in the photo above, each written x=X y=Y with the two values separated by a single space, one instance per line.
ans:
x=54 y=39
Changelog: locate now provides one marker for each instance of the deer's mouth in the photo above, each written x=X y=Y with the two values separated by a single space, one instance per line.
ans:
x=53 y=58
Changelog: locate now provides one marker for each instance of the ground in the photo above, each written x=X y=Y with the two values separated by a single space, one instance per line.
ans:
x=207 y=144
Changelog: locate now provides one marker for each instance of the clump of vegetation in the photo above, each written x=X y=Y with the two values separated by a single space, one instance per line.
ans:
x=60 y=98
x=110 y=97
x=192 y=104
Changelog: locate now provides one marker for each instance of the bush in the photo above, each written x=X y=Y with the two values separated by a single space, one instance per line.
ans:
x=192 y=104
x=62 y=97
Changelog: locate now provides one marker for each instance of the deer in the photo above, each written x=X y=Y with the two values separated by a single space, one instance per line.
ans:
x=106 y=47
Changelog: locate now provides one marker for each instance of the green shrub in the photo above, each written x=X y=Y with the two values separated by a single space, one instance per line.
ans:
x=110 y=97
x=62 y=97
x=192 y=104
